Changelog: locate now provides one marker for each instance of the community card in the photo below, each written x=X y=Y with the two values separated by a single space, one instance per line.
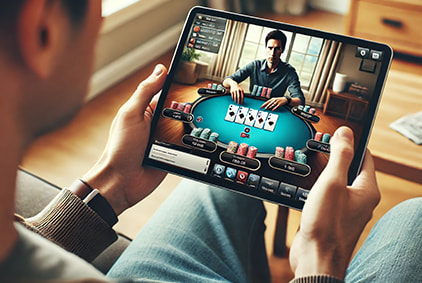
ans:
x=270 y=122
x=250 y=119
x=231 y=113
x=260 y=119
x=241 y=115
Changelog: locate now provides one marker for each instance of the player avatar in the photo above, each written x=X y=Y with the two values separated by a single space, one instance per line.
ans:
x=270 y=73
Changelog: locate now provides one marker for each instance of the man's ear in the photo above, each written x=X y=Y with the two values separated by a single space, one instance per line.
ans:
x=40 y=35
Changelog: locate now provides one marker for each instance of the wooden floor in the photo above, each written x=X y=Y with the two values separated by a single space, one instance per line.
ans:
x=67 y=153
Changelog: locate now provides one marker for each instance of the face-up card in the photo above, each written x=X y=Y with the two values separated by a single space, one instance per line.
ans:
x=231 y=113
x=250 y=118
x=241 y=115
x=260 y=119
x=270 y=122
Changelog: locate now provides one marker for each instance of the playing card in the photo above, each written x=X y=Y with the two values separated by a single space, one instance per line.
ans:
x=260 y=119
x=250 y=118
x=270 y=122
x=241 y=115
x=231 y=113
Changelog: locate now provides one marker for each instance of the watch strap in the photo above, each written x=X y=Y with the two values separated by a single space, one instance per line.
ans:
x=94 y=200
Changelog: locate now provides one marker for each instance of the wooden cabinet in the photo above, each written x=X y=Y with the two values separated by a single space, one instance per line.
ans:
x=346 y=105
x=395 y=22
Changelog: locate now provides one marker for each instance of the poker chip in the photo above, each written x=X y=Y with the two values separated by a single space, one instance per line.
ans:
x=174 y=105
x=269 y=90
x=242 y=149
x=259 y=91
x=289 y=153
x=312 y=111
x=318 y=136
x=252 y=152
x=264 y=92
x=279 y=152
x=306 y=108
x=326 y=138
x=297 y=154
x=247 y=130
x=232 y=147
x=187 y=108
x=300 y=107
x=214 y=137
x=302 y=158
x=196 y=132
x=181 y=106
x=205 y=134
x=254 y=90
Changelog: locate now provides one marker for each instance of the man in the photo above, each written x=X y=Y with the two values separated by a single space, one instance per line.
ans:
x=200 y=233
x=270 y=73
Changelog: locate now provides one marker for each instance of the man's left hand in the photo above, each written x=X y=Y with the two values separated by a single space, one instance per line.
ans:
x=119 y=175
x=274 y=103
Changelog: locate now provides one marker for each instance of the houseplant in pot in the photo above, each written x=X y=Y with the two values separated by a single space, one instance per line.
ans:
x=186 y=72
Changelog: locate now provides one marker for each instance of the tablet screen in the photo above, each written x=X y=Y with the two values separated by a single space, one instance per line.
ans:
x=250 y=104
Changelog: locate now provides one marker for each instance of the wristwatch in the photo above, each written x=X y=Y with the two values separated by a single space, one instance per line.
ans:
x=94 y=200
x=289 y=100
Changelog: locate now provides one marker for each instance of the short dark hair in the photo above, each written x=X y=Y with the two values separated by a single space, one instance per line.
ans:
x=75 y=8
x=277 y=35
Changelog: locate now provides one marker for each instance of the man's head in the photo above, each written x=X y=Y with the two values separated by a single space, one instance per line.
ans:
x=275 y=43
x=47 y=58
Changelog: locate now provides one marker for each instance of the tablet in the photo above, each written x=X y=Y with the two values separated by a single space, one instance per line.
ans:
x=324 y=80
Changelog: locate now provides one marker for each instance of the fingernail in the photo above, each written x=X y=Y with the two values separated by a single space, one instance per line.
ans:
x=158 y=70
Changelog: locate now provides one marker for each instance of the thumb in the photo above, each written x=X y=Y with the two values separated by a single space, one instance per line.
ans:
x=148 y=88
x=342 y=151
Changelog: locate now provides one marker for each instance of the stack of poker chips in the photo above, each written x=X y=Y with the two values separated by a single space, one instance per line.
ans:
x=216 y=87
x=242 y=149
x=322 y=137
x=205 y=134
x=261 y=91
x=290 y=154
x=185 y=107
x=307 y=109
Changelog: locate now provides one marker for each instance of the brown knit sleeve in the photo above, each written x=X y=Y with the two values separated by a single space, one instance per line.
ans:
x=70 y=223
x=317 y=279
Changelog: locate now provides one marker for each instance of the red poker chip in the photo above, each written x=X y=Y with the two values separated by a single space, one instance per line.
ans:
x=247 y=130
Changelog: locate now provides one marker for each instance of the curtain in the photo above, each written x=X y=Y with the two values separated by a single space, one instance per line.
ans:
x=324 y=72
x=230 y=50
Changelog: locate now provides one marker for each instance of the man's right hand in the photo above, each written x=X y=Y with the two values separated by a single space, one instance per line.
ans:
x=236 y=91
x=334 y=214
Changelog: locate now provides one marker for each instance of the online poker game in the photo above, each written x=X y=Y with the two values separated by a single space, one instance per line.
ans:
x=200 y=132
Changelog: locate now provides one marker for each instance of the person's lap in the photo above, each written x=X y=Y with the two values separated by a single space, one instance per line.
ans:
x=393 y=250
x=204 y=234
x=199 y=234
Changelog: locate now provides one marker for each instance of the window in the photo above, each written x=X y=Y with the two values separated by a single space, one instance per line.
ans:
x=302 y=51
x=112 y=6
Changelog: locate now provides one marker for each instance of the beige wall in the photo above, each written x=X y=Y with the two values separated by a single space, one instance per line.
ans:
x=349 y=64
x=119 y=41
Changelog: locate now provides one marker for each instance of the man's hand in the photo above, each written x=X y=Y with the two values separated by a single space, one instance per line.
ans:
x=236 y=91
x=274 y=103
x=118 y=174
x=334 y=214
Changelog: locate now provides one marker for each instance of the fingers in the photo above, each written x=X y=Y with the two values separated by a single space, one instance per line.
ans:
x=366 y=180
x=237 y=95
x=146 y=90
x=341 y=153
x=272 y=104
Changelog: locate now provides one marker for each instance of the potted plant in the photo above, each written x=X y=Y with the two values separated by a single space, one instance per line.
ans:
x=186 y=72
